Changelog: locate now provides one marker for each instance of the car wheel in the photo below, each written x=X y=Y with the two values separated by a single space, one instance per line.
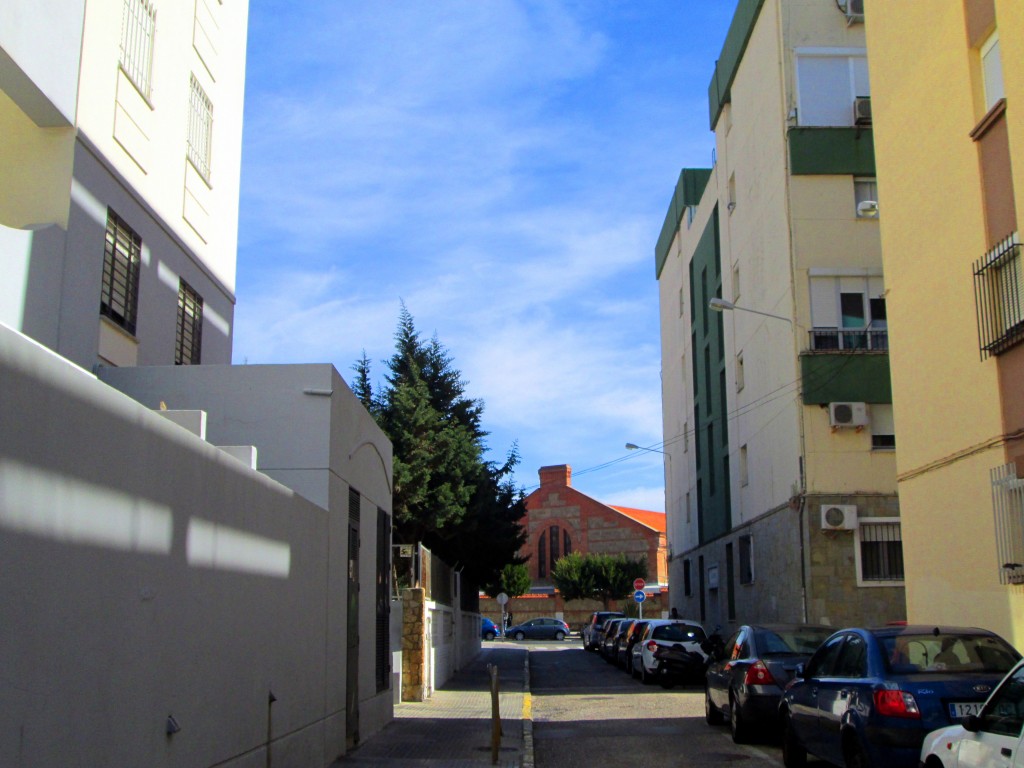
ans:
x=711 y=713
x=853 y=754
x=489 y=636
x=793 y=753
x=520 y=636
x=739 y=729
x=559 y=635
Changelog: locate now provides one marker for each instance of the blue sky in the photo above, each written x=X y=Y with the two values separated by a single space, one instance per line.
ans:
x=503 y=167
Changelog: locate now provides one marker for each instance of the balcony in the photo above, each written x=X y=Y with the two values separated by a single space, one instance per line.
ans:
x=998 y=288
x=848 y=340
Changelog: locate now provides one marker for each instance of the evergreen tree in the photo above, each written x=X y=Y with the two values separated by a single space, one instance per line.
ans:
x=596 y=576
x=361 y=386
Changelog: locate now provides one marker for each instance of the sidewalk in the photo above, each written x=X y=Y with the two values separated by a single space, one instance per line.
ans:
x=452 y=728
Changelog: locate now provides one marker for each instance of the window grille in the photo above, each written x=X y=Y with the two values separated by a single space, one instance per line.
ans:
x=119 y=297
x=1008 y=505
x=881 y=551
x=189 y=337
x=998 y=284
x=138 y=24
x=200 y=129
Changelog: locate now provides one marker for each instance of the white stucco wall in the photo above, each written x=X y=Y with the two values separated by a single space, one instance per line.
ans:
x=147 y=573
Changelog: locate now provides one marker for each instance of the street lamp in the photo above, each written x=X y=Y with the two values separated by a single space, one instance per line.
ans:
x=720 y=305
x=668 y=459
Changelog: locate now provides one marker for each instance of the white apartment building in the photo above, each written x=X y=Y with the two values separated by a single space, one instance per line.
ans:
x=122 y=126
x=777 y=409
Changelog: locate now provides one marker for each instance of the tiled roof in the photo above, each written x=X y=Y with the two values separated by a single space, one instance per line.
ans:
x=655 y=520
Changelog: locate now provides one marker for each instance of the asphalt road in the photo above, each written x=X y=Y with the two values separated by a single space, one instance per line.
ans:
x=587 y=713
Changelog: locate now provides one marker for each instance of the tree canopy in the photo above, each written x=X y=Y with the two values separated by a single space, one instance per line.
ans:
x=514 y=580
x=446 y=494
x=597 y=576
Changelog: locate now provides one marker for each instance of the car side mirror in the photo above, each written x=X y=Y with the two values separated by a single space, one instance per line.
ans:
x=971 y=723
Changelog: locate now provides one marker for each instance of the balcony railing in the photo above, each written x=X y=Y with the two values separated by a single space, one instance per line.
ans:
x=849 y=340
x=999 y=297
x=1008 y=505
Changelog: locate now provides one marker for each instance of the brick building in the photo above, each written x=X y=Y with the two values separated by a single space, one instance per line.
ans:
x=561 y=519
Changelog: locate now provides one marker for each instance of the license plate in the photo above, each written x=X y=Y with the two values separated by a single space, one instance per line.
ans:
x=959 y=709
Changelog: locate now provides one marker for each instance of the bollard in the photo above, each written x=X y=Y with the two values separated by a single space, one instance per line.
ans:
x=495 y=714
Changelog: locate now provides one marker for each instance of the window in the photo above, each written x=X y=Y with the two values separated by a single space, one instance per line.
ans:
x=848 y=313
x=687 y=506
x=553 y=533
x=992 y=71
x=879 y=552
x=566 y=543
x=828 y=81
x=686 y=437
x=542 y=556
x=189 y=337
x=744 y=470
x=864 y=190
x=740 y=378
x=1004 y=711
x=736 y=282
x=998 y=291
x=732 y=192
x=682 y=301
x=883 y=433
x=746 y=545
x=853 y=661
x=687 y=583
x=200 y=129
x=119 y=297
x=138 y=24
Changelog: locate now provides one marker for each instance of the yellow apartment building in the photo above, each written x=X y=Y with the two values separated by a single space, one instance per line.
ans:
x=947 y=86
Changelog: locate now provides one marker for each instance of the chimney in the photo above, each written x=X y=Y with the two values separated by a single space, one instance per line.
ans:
x=560 y=474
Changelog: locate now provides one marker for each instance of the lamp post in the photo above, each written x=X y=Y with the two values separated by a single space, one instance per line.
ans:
x=720 y=305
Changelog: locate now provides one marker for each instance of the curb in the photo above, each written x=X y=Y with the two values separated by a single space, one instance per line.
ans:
x=527 y=761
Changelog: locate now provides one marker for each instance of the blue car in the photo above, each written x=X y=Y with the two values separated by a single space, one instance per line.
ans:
x=868 y=697
x=488 y=629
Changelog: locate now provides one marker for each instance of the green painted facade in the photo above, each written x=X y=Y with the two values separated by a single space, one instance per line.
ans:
x=818 y=151
x=710 y=426
x=843 y=377
x=736 y=40
x=688 y=191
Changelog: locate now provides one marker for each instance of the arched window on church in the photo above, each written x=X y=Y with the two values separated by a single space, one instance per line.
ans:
x=542 y=557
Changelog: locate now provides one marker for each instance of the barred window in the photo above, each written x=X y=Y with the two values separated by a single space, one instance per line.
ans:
x=880 y=551
x=999 y=297
x=200 y=129
x=119 y=297
x=189 y=336
x=138 y=23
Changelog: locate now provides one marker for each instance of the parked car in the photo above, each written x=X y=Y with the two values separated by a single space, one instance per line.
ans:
x=670 y=651
x=591 y=632
x=868 y=697
x=619 y=642
x=539 y=629
x=625 y=657
x=745 y=681
x=989 y=739
x=608 y=635
x=488 y=629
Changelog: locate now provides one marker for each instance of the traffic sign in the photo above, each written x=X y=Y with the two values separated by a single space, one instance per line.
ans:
x=639 y=584
x=639 y=595
x=502 y=598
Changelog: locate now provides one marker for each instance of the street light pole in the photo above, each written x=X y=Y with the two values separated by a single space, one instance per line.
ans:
x=668 y=458
x=720 y=305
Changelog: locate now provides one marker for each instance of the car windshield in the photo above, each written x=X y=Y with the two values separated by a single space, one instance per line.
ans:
x=678 y=633
x=948 y=652
x=797 y=640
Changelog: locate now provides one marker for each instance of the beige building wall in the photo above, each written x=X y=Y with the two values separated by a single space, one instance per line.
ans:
x=927 y=99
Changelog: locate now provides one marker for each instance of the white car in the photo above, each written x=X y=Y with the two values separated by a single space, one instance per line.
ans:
x=669 y=651
x=990 y=739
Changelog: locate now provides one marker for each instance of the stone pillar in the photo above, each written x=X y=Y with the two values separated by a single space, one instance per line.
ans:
x=414 y=644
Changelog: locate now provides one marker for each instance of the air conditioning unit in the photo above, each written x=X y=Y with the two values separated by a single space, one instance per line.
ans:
x=847 y=414
x=862 y=110
x=838 y=517
x=854 y=11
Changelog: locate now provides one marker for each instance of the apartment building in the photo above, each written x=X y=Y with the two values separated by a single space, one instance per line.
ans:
x=777 y=410
x=119 y=193
x=950 y=149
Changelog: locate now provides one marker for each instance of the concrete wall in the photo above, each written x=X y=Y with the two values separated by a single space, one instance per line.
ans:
x=148 y=574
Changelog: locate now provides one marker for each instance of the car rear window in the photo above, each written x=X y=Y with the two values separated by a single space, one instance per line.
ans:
x=947 y=652
x=801 y=640
x=677 y=633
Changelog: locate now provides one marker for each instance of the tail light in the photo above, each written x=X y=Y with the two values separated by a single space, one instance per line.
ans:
x=758 y=674
x=897 y=704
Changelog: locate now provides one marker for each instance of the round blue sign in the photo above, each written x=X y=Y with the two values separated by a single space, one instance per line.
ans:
x=639 y=596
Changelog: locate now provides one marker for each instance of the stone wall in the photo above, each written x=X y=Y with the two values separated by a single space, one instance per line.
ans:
x=414 y=645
